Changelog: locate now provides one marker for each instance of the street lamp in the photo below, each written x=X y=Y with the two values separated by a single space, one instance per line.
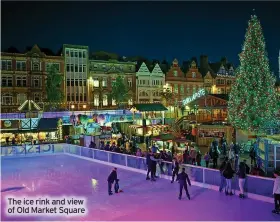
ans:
x=72 y=106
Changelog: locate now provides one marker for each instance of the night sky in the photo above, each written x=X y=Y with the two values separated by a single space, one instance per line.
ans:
x=156 y=30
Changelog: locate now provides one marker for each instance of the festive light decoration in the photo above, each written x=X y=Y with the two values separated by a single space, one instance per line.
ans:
x=252 y=101
x=195 y=96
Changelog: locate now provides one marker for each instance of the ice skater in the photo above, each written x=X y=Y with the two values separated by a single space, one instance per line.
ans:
x=175 y=168
x=113 y=177
x=276 y=192
x=152 y=164
x=183 y=178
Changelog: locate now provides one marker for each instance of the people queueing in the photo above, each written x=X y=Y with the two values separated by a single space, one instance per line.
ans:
x=175 y=169
x=228 y=173
x=113 y=177
x=207 y=158
x=276 y=192
x=242 y=179
x=183 y=178
x=222 y=178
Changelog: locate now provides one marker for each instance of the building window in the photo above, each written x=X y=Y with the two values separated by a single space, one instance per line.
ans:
x=72 y=67
x=228 y=82
x=130 y=102
x=84 y=68
x=175 y=73
x=6 y=65
x=56 y=65
x=21 y=81
x=73 y=97
x=182 y=89
x=68 y=82
x=7 y=81
x=76 y=68
x=175 y=88
x=104 y=82
x=85 y=97
x=21 y=98
x=95 y=82
x=193 y=75
x=96 y=100
x=72 y=53
x=77 y=97
x=36 y=81
x=67 y=53
x=21 y=65
x=129 y=82
x=68 y=97
x=37 y=97
x=81 y=97
x=80 y=68
x=7 y=99
x=84 y=54
x=105 y=100
x=35 y=66
x=80 y=54
x=114 y=102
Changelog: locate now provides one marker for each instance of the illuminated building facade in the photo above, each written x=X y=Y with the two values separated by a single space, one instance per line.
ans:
x=24 y=75
x=101 y=76
x=76 y=74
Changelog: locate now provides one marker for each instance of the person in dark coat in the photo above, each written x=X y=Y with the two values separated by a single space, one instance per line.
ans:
x=228 y=173
x=175 y=168
x=223 y=179
x=183 y=178
x=241 y=179
x=113 y=177
x=151 y=165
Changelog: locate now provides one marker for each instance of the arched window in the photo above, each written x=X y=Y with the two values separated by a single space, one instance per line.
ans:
x=105 y=100
x=37 y=97
x=7 y=99
x=35 y=66
x=21 y=98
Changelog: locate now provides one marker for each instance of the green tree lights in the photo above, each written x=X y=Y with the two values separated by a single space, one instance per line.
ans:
x=252 y=101
x=120 y=92
x=53 y=87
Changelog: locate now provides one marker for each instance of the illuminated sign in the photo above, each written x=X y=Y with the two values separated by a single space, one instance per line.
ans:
x=200 y=93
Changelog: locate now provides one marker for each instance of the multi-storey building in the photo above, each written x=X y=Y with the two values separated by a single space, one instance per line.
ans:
x=149 y=84
x=24 y=75
x=76 y=74
x=224 y=78
x=101 y=76
x=181 y=84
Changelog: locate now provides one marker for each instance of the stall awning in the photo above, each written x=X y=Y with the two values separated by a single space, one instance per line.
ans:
x=150 y=107
x=47 y=124
x=158 y=126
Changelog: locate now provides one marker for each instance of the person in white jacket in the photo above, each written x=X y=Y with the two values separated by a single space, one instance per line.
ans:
x=276 y=192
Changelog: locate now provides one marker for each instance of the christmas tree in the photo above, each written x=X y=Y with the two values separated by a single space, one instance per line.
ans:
x=252 y=101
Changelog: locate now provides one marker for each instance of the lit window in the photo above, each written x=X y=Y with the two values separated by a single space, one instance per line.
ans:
x=21 y=98
x=105 y=100
x=193 y=74
x=114 y=102
x=175 y=73
x=130 y=102
x=96 y=100
x=95 y=82
x=129 y=82
x=104 y=82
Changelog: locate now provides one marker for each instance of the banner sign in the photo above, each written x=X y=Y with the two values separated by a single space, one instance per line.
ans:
x=195 y=96
x=31 y=149
x=9 y=124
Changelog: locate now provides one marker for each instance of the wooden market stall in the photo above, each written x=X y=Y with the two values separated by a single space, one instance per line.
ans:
x=207 y=133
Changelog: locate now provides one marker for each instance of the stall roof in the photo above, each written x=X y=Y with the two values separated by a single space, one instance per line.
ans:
x=47 y=124
x=150 y=107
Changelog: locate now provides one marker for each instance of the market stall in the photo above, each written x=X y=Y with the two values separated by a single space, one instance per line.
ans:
x=207 y=133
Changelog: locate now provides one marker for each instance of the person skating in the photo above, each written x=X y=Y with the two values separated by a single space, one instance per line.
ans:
x=175 y=168
x=151 y=164
x=111 y=178
x=183 y=178
x=223 y=179
x=276 y=192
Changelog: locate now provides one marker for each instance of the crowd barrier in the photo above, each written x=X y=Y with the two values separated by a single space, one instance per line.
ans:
x=29 y=150
x=255 y=185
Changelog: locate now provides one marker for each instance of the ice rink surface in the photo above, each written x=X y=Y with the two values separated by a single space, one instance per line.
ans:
x=141 y=200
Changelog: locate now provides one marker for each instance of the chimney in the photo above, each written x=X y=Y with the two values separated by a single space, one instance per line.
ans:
x=204 y=61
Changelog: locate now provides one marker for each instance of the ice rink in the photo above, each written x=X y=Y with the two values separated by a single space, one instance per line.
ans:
x=141 y=200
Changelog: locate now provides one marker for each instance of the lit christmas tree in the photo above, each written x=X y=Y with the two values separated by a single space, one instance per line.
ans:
x=252 y=102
